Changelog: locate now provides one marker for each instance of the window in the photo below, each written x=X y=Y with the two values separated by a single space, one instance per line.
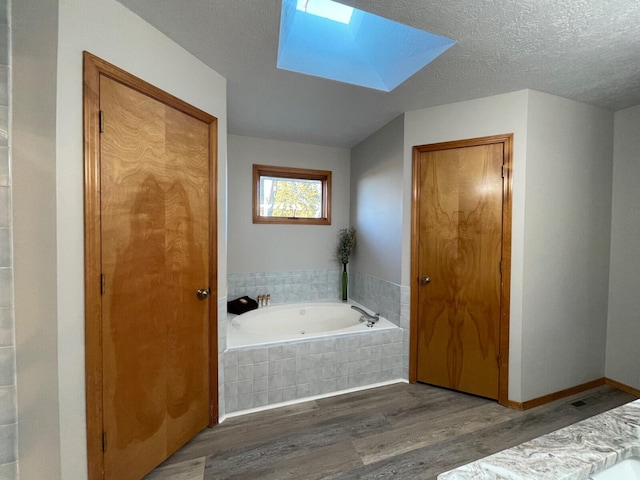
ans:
x=291 y=195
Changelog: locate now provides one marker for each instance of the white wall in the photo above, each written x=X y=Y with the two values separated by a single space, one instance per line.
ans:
x=566 y=244
x=266 y=248
x=54 y=244
x=623 y=328
x=34 y=36
x=560 y=222
x=478 y=118
x=376 y=202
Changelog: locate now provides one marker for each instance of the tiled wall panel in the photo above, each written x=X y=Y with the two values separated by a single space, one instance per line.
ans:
x=286 y=287
x=259 y=376
x=8 y=409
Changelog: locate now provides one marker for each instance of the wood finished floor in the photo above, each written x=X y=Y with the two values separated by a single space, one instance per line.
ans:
x=398 y=431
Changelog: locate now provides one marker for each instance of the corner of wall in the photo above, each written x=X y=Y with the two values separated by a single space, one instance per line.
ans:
x=34 y=43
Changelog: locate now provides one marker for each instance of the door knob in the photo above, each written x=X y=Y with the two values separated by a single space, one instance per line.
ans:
x=203 y=293
x=425 y=280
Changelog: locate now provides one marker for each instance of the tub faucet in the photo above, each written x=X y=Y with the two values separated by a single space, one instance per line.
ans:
x=370 y=319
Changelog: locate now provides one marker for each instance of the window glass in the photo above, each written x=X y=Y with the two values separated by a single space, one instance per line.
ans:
x=291 y=195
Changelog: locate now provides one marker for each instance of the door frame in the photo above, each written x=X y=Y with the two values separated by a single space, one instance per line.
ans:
x=93 y=68
x=505 y=284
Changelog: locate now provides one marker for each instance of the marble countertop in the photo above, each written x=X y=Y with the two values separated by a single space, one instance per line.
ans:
x=571 y=453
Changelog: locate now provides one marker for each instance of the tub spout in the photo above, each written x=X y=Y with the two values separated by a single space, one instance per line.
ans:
x=371 y=319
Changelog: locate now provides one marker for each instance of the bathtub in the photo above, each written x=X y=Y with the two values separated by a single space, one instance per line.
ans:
x=289 y=353
x=290 y=322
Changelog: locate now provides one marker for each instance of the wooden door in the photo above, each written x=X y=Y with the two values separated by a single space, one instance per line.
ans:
x=155 y=254
x=459 y=224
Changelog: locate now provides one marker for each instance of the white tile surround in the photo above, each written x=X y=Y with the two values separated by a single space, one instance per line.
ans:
x=255 y=377
x=286 y=287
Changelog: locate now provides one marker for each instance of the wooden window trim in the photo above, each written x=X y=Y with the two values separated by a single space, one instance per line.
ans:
x=294 y=173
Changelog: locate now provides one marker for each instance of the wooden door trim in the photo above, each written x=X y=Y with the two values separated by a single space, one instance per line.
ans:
x=93 y=68
x=505 y=286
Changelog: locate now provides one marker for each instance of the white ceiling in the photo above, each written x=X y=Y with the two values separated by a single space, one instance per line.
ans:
x=586 y=50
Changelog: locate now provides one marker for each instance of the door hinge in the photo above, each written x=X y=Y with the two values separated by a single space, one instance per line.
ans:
x=101 y=121
x=500 y=267
x=102 y=284
x=498 y=358
x=104 y=441
x=504 y=171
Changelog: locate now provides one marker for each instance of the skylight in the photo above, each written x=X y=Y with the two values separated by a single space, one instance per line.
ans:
x=326 y=39
x=327 y=9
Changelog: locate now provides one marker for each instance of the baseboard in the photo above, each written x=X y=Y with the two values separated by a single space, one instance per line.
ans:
x=536 y=402
x=621 y=386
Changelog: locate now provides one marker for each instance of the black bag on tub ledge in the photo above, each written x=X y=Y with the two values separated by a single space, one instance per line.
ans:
x=241 y=305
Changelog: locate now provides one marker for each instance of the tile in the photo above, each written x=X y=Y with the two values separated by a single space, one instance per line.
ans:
x=329 y=373
x=275 y=396
x=303 y=363
x=342 y=358
x=8 y=412
x=7 y=327
x=189 y=470
x=230 y=374
x=276 y=367
x=245 y=401
x=354 y=355
x=342 y=370
x=302 y=349
x=315 y=359
x=5 y=178
x=276 y=382
x=289 y=393
x=303 y=377
x=260 y=355
x=275 y=353
x=328 y=358
x=4 y=17
x=260 y=399
x=4 y=123
x=4 y=85
x=391 y=349
x=328 y=386
x=372 y=365
x=4 y=41
x=230 y=359
x=245 y=372
x=302 y=390
x=9 y=471
x=245 y=357
x=6 y=287
x=353 y=342
x=230 y=404
x=260 y=370
x=8 y=443
x=260 y=384
x=289 y=365
x=5 y=203
x=289 y=379
x=231 y=390
x=245 y=387
x=7 y=367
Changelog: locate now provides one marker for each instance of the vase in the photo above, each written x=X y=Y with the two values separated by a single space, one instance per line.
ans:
x=345 y=282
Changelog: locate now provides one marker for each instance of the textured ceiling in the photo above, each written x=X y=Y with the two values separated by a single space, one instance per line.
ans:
x=586 y=50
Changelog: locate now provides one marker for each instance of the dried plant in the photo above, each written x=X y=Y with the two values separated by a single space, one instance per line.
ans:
x=346 y=243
